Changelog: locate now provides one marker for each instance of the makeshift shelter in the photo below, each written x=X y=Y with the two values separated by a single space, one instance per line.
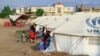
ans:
x=19 y=19
x=79 y=36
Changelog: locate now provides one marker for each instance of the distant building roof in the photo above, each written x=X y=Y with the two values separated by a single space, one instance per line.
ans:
x=89 y=7
x=51 y=5
x=58 y=3
x=96 y=7
x=42 y=6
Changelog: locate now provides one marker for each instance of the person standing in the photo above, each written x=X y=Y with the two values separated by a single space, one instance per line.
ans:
x=32 y=33
x=23 y=37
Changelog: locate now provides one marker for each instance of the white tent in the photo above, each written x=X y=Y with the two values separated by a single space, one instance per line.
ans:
x=86 y=13
x=35 y=20
x=79 y=36
x=49 y=20
x=39 y=20
x=61 y=21
x=44 y=21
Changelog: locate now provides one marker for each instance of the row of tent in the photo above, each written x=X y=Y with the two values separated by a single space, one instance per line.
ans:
x=75 y=34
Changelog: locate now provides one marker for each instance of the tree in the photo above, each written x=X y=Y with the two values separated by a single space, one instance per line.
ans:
x=13 y=11
x=39 y=12
x=6 y=11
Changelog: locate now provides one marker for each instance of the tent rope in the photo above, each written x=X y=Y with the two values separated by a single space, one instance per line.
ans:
x=77 y=44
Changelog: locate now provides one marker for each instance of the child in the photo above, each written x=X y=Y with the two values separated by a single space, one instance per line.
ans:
x=41 y=46
x=23 y=37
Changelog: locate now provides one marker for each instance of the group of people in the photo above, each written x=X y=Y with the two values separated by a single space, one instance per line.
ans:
x=43 y=35
x=45 y=39
x=31 y=35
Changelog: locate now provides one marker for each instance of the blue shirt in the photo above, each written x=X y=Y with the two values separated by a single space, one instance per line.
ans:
x=41 y=46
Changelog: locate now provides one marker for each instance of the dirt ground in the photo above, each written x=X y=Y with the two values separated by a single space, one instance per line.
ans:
x=8 y=42
x=10 y=47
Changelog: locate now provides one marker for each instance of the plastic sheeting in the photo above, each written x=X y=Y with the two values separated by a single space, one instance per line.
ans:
x=14 y=17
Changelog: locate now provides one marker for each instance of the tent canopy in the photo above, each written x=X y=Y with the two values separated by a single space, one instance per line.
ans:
x=81 y=26
x=61 y=21
x=39 y=20
x=49 y=20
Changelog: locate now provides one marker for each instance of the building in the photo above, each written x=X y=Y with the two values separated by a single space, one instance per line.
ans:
x=85 y=8
x=56 y=9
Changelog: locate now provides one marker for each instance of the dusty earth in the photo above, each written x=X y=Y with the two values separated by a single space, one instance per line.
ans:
x=10 y=47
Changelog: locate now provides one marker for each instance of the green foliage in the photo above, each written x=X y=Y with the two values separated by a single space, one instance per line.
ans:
x=2 y=15
x=39 y=12
x=13 y=11
x=6 y=11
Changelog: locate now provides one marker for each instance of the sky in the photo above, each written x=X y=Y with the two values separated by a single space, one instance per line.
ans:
x=24 y=3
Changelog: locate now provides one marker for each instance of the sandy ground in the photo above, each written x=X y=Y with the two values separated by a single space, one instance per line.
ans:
x=10 y=47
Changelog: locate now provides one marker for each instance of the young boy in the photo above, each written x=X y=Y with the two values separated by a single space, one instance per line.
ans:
x=23 y=37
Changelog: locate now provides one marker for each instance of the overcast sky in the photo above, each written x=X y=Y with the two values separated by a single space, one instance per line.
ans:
x=23 y=3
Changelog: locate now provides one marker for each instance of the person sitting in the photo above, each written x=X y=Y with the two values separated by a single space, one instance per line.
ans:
x=41 y=46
